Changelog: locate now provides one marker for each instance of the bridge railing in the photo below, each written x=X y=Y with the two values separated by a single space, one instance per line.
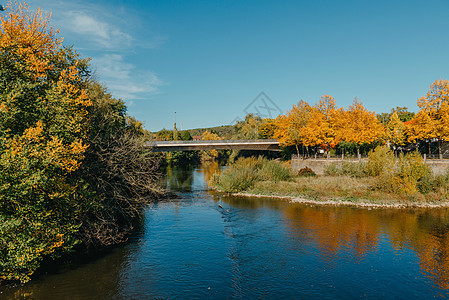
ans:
x=258 y=141
x=168 y=146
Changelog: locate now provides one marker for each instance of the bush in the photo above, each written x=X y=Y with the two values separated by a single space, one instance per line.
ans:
x=272 y=170
x=353 y=169
x=433 y=183
x=404 y=174
x=237 y=179
x=306 y=172
x=378 y=160
x=245 y=172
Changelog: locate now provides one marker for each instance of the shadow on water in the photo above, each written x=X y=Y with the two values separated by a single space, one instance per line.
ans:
x=203 y=244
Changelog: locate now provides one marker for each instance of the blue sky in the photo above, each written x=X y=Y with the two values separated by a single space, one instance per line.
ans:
x=208 y=60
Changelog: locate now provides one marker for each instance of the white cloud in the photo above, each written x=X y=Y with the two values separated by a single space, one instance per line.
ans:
x=124 y=80
x=106 y=32
x=98 y=33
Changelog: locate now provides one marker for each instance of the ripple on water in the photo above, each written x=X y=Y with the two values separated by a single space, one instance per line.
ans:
x=191 y=247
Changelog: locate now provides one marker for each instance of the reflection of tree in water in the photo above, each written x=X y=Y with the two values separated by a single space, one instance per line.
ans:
x=333 y=228
x=180 y=178
x=253 y=203
x=427 y=233
x=209 y=168
x=82 y=277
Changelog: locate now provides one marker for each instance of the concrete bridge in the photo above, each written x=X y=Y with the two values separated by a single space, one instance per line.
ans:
x=168 y=146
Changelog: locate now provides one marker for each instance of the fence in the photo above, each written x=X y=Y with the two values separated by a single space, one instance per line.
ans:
x=319 y=163
x=330 y=157
x=361 y=157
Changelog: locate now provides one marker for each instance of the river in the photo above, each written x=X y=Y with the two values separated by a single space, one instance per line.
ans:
x=201 y=244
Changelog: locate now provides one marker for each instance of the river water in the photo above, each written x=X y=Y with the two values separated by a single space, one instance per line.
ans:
x=203 y=244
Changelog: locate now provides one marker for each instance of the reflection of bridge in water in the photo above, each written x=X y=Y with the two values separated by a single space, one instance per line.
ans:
x=168 y=146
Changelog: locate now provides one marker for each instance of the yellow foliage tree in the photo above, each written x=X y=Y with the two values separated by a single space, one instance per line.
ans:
x=422 y=127
x=395 y=131
x=357 y=125
x=319 y=129
x=267 y=128
x=209 y=154
x=433 y=106
x=289 y=126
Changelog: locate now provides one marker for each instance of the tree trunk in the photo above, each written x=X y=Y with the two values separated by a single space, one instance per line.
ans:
x=297 y=150
x=439 y=149
x=358 y=150
x=429 y=149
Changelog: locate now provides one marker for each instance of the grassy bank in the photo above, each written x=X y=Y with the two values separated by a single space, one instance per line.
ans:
x=384 y=180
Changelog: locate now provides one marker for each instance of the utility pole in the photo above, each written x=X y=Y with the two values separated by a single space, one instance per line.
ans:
x=175 y=131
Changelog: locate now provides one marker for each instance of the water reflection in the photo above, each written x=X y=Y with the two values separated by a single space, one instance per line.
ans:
x=209 y=168
x=358 y=231
x=259 y=247
x=180 y=178
x=80 y=278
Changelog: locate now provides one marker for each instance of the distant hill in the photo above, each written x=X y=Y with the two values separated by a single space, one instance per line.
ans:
x=225 y=131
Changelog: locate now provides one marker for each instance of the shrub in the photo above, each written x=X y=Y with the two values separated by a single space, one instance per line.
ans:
x=245 y=172
x=273 y=170
x=353 y=169
x=332 y=169
x=403 y=175
x=433 y=183
x=306 y=172
x=378 y=160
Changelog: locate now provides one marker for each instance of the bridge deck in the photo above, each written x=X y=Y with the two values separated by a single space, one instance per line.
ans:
x=168 y=146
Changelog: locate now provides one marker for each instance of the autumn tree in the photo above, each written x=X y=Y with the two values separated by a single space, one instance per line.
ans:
x=395 y=131
x=68 y=156
x=209 y=154
x=267 y=128
x=357 y=125
x=434 y=112
x=289 y=126
x=248 y=129
x=422 y=127
x=319 y=129
x=43 y=109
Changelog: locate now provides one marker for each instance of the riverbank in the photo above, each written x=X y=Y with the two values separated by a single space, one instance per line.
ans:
x=382 y=181
x=363 y=203
x=343 y=191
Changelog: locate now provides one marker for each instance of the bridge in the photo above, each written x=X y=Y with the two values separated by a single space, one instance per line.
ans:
x=169 y=146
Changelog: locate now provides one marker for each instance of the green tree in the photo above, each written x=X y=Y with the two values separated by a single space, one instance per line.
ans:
x=185 y=136
x=73 y=167
x=43 y=125
x=248 y=129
